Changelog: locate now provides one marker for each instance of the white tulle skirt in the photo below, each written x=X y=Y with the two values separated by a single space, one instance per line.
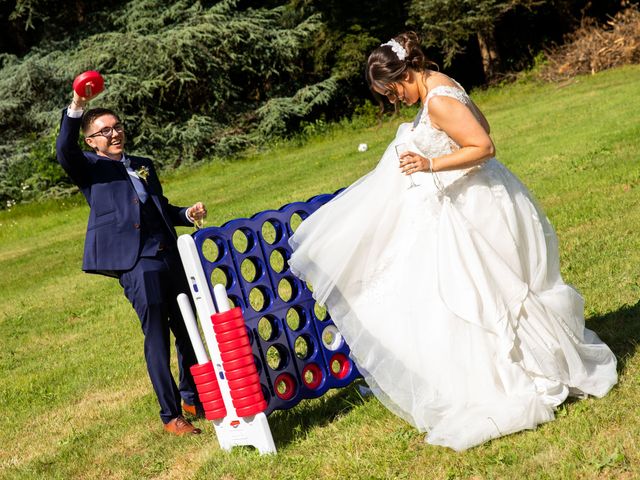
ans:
x=451 y=300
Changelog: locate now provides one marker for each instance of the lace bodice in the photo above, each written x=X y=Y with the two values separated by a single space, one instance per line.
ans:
x=432 y=142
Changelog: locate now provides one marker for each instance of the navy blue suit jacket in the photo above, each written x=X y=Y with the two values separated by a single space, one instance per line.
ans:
x=112 y=242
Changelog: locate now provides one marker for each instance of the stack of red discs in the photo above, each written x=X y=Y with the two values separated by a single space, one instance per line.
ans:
x=238 y=363
x=208 y=391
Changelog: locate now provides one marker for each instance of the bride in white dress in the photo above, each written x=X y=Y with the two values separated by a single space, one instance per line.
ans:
x=449 y=294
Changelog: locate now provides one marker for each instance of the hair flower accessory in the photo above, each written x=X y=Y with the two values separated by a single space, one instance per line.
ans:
x=143 y=173
x=397 y=48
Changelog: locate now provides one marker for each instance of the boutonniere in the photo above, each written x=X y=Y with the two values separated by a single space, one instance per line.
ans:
x=143 y=173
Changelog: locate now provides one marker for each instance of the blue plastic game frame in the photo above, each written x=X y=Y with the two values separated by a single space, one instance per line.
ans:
x=274 y=309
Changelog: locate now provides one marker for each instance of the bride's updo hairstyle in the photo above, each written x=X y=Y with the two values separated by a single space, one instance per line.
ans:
x=391 y=61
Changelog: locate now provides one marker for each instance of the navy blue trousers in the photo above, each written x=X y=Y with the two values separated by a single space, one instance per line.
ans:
x=152 y=287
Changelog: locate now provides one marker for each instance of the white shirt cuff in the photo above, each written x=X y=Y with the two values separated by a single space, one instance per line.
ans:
x=74 y=113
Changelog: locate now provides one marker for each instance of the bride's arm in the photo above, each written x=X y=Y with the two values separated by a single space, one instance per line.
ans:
x=483 y=120
x=459 y=123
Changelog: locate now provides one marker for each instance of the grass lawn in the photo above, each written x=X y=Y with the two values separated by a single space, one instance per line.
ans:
x=74 y=394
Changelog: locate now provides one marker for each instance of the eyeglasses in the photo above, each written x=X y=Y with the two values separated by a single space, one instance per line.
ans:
x=108 y=131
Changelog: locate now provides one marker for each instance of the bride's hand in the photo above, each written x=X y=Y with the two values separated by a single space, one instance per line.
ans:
x=411 y=162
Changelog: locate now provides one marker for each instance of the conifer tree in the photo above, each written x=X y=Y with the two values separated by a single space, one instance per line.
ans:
x=190 y=81
x=449 y=24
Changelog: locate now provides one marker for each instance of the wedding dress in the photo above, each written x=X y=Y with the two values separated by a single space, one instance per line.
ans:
x=449 y=294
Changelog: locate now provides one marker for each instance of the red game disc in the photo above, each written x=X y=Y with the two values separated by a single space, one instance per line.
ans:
x=215 y=414
x=246 y=391
x=243 y=373
x=245 y=402
x=215 y=405
x=210 y=396
x=252 y=409
x=205 y=378
x=88 y=84
x=201 y=368
x=208 y=387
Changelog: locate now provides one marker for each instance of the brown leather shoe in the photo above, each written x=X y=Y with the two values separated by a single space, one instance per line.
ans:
x=194 y=411
x=181 y=426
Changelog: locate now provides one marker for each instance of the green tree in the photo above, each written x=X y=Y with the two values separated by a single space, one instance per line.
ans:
x=350 y=31
x=449 y=24
x=190 y=81
x=201 y=78
x=26 y=23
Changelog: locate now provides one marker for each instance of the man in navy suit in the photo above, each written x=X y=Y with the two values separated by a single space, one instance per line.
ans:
x=131 y=236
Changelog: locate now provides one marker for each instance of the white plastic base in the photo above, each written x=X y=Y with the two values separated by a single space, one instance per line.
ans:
x=252 y=431
x=231 y=430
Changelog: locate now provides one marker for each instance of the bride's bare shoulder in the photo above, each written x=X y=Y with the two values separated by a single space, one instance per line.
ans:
x=437 y=79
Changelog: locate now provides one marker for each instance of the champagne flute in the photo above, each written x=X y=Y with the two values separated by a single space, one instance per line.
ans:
x=197 y=214
x=198 y=224
x=400 y=149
